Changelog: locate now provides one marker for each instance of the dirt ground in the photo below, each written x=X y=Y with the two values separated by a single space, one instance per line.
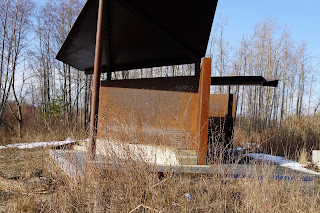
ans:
x=24 y=173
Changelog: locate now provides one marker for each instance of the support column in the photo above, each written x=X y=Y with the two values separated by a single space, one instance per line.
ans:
x=96 y=85
x=228 y=121
x=203 y=110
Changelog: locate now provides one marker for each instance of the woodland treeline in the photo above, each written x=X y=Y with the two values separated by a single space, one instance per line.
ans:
x=31 y=78
x=270 y=52
x=35 y=86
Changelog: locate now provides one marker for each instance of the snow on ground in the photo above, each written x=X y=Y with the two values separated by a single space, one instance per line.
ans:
x=38 y=144
x=281 y=161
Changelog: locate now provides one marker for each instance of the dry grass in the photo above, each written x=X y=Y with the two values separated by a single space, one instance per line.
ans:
x=39 y=132
x=294 y=138
x=37 y=185
x=132 y=187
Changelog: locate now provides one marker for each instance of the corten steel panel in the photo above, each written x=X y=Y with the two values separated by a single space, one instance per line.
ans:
x=150 y=113
x=234 y=104
x=219 y=105
x=203 y=111
x=179 y=84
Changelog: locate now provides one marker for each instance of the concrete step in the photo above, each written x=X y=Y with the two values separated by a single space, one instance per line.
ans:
x=187 y=157
x=183 y=156
x=79 y=148
x=83 y=143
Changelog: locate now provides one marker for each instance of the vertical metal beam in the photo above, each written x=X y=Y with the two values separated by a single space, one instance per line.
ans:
x=109 y=76
x=96 y=84
x=107 y=41
x=197 y=69
x=229 y=121
x=203 y=110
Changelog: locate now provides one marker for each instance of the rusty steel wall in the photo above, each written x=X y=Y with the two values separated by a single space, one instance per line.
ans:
x=219 y=105
x=171 y=111
x=149 y=113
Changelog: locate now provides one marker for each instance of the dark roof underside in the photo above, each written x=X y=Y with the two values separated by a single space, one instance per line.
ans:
x=244 y=80
x=141 y=34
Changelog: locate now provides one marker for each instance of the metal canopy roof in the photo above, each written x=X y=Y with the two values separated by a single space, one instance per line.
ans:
x=244 y=80
x=140 y=34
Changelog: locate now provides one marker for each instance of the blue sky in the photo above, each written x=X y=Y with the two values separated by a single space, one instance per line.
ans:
x=302 y=18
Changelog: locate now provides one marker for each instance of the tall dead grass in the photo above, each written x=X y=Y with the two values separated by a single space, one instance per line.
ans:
x=294 y=138
x=132 y=189
x=39 y=133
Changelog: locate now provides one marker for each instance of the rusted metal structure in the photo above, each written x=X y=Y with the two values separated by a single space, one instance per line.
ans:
x=139 y=34
x=170 y=112
x=222 y=114
x=117 y=35
x=223 y=108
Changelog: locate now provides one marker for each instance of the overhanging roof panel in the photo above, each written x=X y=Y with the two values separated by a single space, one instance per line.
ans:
x=142 y=33
x=244 y=80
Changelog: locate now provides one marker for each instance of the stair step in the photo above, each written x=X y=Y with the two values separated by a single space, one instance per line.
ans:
x=187 y=157
x=79 y=148
x=83 y=143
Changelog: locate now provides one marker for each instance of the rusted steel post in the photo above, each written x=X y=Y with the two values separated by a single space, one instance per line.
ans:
x=96 y=85
x=203 y=110
x=229 y=121
x=197 y=69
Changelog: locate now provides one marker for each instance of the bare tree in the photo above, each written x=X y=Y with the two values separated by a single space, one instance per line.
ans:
x=16 y=21
x=60 y=83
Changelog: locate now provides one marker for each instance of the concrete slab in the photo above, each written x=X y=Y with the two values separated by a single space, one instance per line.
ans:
x=146 y=153
x=72 y=162
x=79 y=148
x=316 y=157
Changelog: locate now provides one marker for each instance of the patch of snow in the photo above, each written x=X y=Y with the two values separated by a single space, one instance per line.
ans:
x=69 y=139
x=38 y=144
x=281 y=161
x=15 y=145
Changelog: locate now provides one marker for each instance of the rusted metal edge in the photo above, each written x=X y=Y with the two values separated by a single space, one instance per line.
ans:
x=203 y=110
x=178 y=84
